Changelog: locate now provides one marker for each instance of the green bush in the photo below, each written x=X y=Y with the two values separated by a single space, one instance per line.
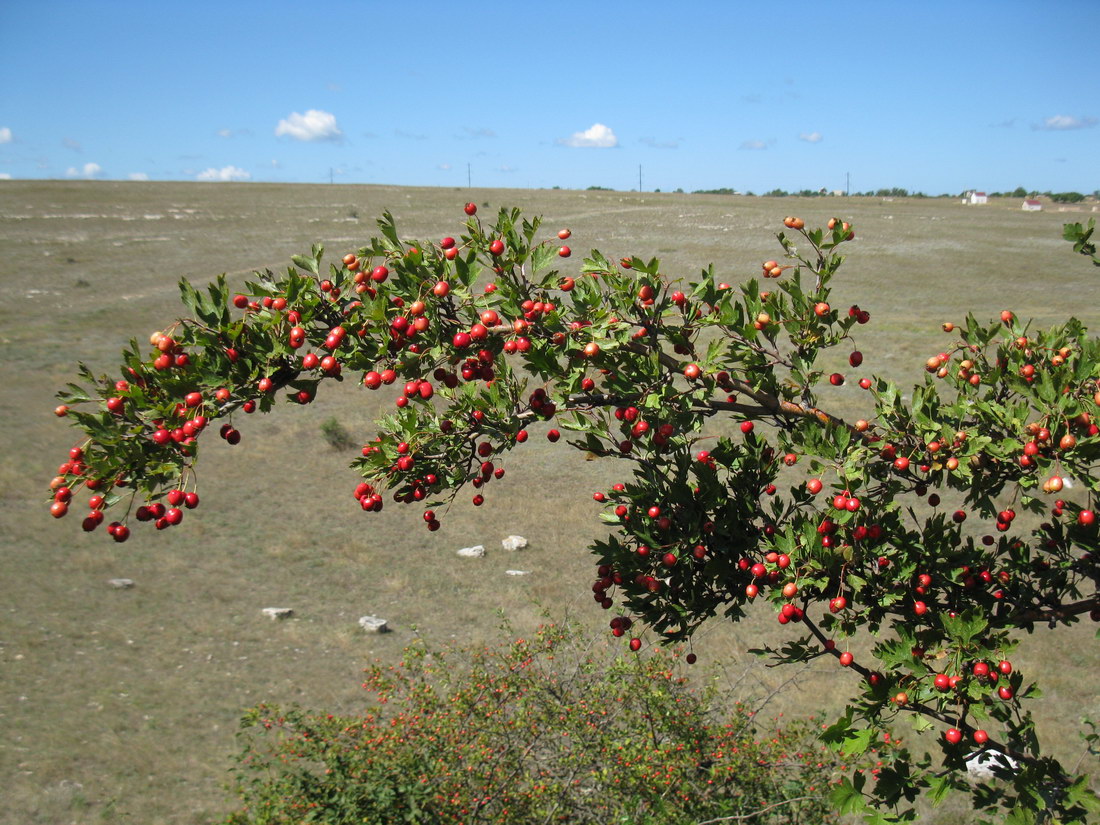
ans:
x=336 y=435
x=552 y=728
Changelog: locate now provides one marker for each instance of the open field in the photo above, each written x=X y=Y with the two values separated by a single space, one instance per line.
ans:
x=121 y=705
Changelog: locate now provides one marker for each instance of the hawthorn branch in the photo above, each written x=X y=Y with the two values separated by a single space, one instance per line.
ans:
x=754 y=814
x=1054 y=613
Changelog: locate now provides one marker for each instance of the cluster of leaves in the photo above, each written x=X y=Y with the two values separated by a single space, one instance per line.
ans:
x=905 y=521
x=551 y=728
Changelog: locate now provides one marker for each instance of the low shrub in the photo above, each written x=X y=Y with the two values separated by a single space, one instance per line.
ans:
x=336 y=435
x=553 y=728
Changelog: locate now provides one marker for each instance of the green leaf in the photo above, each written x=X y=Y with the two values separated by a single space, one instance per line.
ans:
x=846 y=799
x=302 y=262
x=74 y=395
x=542 y=256
x=857 y=741
x=964 y=627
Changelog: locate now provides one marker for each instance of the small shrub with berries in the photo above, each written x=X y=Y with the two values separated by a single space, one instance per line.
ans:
x=902 y=523
x=551 y=728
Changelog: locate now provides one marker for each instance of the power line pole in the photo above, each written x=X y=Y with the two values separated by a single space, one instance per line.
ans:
x=639 y=177
x=847 y=183
x=467 y=175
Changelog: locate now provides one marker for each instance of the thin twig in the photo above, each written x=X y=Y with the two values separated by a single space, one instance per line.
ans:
x=754 y=814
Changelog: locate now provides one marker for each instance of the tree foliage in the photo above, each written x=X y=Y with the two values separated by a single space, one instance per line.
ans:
x=739 y=489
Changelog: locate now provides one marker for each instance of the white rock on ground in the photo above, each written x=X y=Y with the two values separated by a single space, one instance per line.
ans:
x=514 y=543
x=121 y=584
x=372 y=624
x=475 y=552
x=980 y=765
x=274 y=613
x=517 y=572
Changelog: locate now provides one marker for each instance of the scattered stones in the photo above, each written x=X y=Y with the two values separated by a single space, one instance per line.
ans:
x=372 y=624
x=275 y=613
x=517 y=572
x=121 y=584
x=514 y=543
x=475 y=552
x=980 y=765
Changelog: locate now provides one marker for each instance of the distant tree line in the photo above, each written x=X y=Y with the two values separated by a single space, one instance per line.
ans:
x=892 y=192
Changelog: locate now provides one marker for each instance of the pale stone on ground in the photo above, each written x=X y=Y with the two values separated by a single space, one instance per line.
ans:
x=475 y=552
x=121 y=584
x=372 y=624
x=278 y=612
x=514 y=543
x=980 y=765
x=517 y=572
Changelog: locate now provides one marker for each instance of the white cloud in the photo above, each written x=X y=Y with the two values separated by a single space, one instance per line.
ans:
x=5 y=134
x=480 y=132
x=810 y=137
x=506 y=168
x=74 y=145
x=597 y=136
x=227 y=133
x=88 y=170
x=313 y=125
x=444 y=167
x=753 y=145
x=138 y=176
x=225 y=173
x=5 y=175
x=1061 y=123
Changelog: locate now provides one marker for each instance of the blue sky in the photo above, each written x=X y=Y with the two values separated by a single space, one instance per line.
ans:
x=931 y=96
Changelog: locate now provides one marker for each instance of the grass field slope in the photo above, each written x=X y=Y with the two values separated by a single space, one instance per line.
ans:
x=121 y=705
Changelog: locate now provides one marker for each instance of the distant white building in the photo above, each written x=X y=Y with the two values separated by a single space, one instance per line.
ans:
x=1031 y=205
x=977 y=197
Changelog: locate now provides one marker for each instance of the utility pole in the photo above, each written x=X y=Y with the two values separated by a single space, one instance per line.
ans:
x=639 y=177
x=467 y=175
x=847 y=183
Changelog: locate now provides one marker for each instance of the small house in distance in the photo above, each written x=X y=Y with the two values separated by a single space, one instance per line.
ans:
x=973 y=197
x=1032 y=205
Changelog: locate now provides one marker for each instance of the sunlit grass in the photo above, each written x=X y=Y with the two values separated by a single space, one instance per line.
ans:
x=134 y=695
